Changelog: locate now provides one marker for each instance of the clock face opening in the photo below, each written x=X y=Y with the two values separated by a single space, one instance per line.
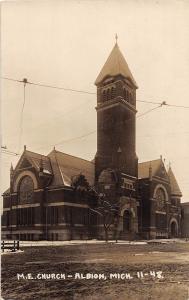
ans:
x=26 y=189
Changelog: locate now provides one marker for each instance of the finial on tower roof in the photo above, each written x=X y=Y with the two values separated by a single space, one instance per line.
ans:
x=116 y=37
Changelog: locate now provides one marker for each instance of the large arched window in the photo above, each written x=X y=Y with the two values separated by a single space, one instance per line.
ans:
x=26 y=188
x=160 y=197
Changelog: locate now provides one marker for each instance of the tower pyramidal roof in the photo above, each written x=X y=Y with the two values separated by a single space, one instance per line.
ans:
x=115 y=65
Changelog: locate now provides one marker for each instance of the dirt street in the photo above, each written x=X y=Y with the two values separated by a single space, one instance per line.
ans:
x=97 y=271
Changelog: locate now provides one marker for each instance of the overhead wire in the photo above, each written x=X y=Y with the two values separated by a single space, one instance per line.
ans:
x=22 y=116
x=148 y=111
x=92 y=132
x=51 y=86
x=85 y=92
x=25 y=81
x=9 y=152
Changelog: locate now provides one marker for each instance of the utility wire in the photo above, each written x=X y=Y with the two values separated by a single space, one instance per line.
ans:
x=9 y=152
x=50 y=86
x=92 y=132
x=75 y=138
x=22 y=115
x=174 y=105
x=148 y=111
x=85 y=92
x=25 y=81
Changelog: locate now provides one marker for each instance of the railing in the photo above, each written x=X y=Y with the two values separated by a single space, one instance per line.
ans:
x=13 y=245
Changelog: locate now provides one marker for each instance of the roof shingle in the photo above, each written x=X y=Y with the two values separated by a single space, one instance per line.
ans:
x=66 y=166
x=143 y=168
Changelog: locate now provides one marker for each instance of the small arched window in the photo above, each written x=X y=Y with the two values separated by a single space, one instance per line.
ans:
x=124 y=94
x=112 y=92
x=108 y=94
x=127 y=96
x=131 y=98
x=104 y=96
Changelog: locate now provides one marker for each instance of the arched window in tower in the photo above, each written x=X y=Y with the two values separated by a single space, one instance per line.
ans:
x=104 y=96
x=131 y=98
x=108 y=94
x=124 y=94
x=112 y=93
x=127 y=96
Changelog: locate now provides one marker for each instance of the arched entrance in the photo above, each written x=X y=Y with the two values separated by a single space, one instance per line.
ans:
x=126 y=221
x=174 y=228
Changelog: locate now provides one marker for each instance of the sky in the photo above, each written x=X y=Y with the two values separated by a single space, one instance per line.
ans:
x=66 y=43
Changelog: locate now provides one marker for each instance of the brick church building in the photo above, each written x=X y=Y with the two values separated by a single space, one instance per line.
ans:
x=55 y=197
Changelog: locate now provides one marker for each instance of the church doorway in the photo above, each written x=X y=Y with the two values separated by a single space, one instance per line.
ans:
x=126 y=221
x=174 y=229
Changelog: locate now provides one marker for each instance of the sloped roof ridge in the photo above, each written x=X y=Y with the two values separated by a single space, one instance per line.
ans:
x=36 y=153
x=34 y=156
x=71 y=156
x=149 y=161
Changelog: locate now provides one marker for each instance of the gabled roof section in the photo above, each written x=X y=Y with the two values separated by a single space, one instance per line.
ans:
x=35 y=160
x=175 y=190
x=39 y=160
x=115 y=65
x=144 y=168
x=62 y=166
x=66 y=166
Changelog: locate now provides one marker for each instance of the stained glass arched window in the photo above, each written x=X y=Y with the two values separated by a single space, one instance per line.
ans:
x=160 y=197
x=26 y=189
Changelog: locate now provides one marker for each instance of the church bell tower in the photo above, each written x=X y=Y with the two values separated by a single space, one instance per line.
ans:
x=116 y=117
